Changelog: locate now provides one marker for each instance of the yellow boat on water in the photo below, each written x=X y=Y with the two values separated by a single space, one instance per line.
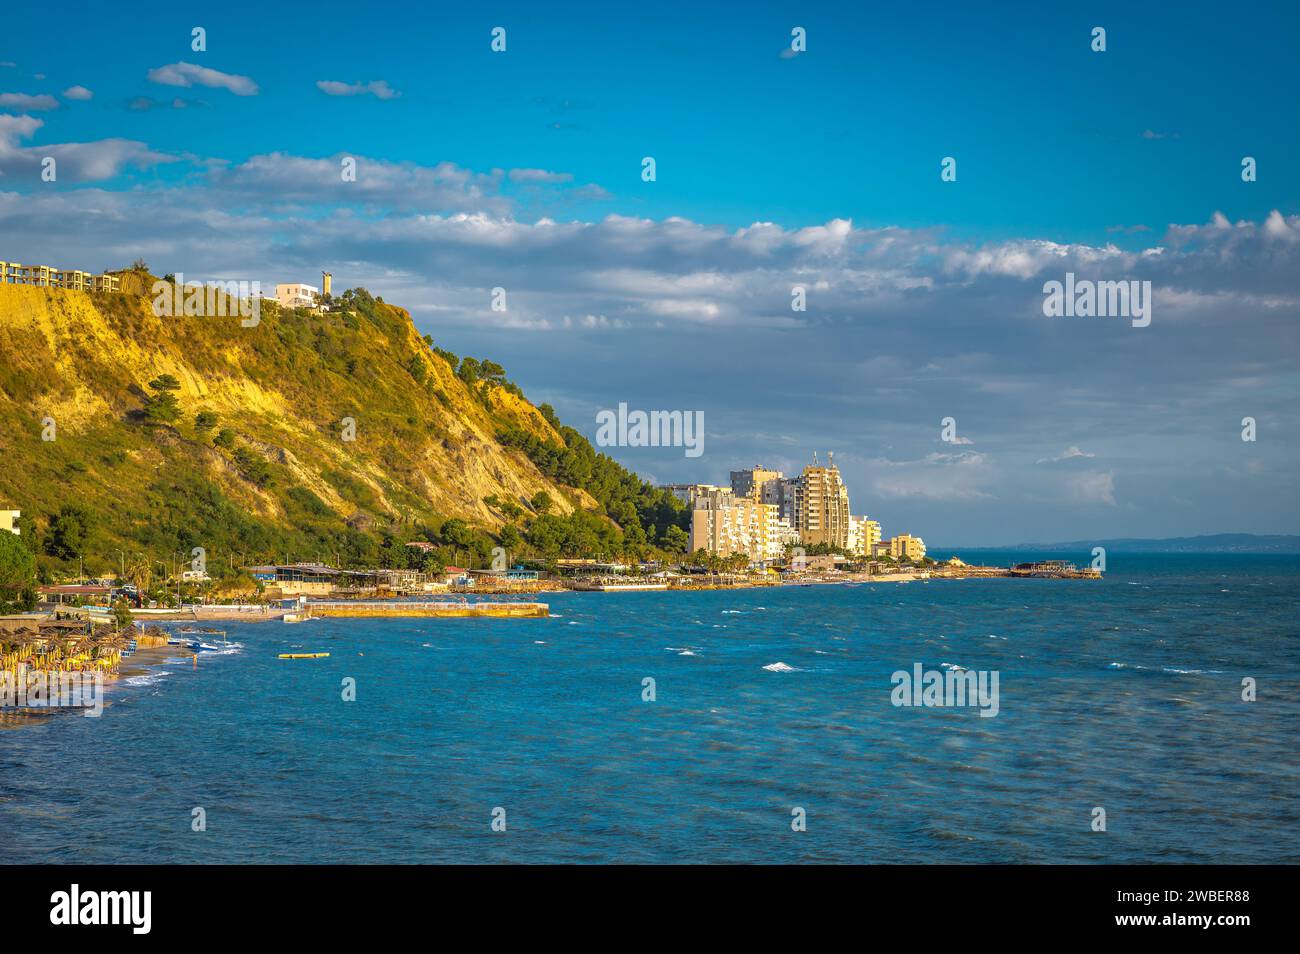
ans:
x=303 y=655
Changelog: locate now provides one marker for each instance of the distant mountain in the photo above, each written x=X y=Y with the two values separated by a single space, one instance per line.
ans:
x=1212 y=543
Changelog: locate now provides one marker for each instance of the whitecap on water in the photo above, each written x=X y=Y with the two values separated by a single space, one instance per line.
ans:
x=780 y=667
x=148 y=679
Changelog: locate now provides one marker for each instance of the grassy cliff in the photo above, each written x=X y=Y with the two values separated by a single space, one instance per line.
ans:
x=127 y=431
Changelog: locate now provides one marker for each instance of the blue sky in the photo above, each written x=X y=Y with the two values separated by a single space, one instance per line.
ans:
x=522 y=170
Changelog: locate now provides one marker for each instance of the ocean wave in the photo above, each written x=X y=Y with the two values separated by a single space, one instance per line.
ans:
x=1172 y=670
x=220 y=649
x=147 y=679
x=781 y=667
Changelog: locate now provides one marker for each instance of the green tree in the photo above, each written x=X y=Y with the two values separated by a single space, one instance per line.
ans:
x=161 y=407
x=541 y=501
x=205 y=421
x=254 y=467
x=676 y=540
x=510 y=538
x=68 y=531
x=17 y=575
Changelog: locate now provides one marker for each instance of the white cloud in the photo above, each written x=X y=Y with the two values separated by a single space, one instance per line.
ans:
x=1070 y=453
x=76 y=161
x=376 y=88
x=78 y=93
x=28 y=101
x=187 y=74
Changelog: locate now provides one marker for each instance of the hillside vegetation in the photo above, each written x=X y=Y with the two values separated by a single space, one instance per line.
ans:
x=334 y=437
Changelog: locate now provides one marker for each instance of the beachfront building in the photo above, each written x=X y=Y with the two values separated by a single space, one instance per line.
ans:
x=821 y=506
x=864 y=534
x=74 y=593
x=902 y=546
x=49 y=276
x=787 y=535
x=9 y=521
x=724 y=524
x=310 y=579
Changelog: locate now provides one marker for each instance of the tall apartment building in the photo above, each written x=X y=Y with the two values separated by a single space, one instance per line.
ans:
x=723 y=523
x=864 y=534
x=821 y=506
x=753 y=482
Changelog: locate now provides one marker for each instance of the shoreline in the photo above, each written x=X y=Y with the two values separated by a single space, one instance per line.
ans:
x=250 y=614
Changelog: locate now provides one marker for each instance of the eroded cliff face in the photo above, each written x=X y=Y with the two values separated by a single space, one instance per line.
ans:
x=359 y=422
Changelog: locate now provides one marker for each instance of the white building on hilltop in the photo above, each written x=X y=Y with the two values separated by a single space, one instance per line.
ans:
x=297 y=295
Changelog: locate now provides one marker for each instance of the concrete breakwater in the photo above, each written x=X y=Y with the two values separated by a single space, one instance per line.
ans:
x=442 y=610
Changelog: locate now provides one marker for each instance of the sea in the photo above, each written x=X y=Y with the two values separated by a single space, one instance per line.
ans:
x=1148 y=717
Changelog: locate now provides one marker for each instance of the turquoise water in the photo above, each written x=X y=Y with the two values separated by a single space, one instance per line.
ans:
x=1123 y=694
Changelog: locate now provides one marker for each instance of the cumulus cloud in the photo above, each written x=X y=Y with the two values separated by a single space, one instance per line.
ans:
x=376 y=88
x=75 y=161
x=78 y=93
x=188 y=74
x=26 y=102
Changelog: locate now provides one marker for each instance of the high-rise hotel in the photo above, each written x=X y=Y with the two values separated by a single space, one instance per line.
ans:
x=821 y=506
